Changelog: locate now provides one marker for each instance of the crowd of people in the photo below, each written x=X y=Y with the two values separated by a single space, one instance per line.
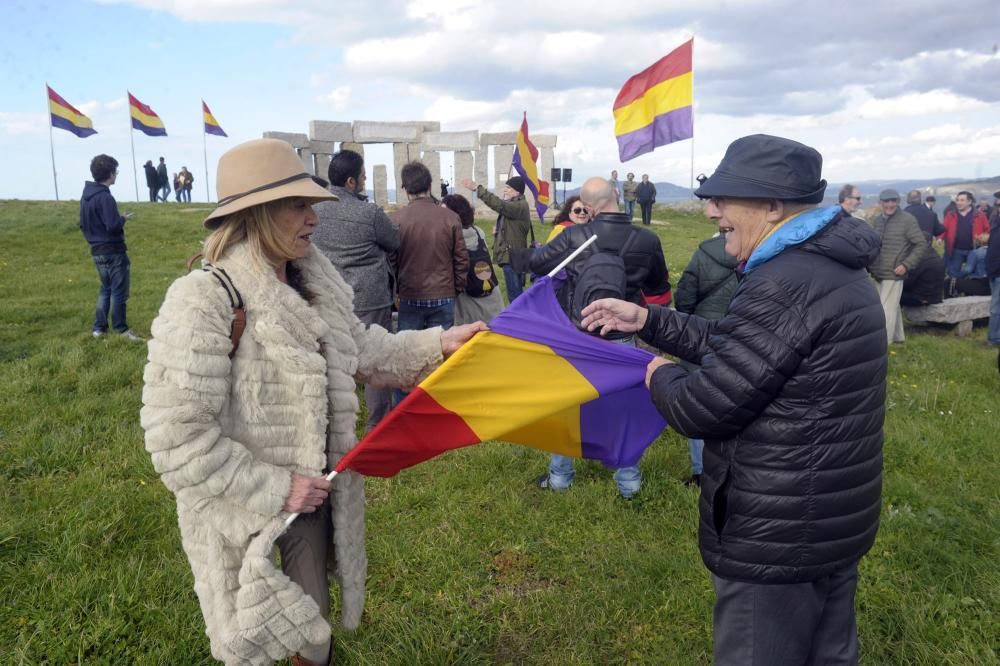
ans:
x=159 y=183
x=780 y=323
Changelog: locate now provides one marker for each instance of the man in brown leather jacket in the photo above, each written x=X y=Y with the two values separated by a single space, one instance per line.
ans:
x=433 y=261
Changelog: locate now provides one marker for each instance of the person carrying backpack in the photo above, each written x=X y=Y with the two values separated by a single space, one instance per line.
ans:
x=625 y=260
x=481 y=300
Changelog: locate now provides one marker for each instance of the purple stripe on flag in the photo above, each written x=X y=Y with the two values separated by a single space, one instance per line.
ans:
x=147 y=130
x=62 y=123
x=616 y=441
x=666 y=128
x=214 y=129
x=607 y=366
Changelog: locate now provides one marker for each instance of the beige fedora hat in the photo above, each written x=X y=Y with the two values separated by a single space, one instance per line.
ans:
x=260 y=171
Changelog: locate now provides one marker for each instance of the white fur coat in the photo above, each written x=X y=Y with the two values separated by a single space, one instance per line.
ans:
x=225 y=436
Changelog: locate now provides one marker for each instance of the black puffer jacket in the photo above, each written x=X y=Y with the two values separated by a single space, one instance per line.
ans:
x=790 y=400
x=708 y=282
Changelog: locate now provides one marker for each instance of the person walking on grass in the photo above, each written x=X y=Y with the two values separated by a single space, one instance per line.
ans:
x=902 y=247
x=104 y=228
x=164 y=178
x=152 y=181
x=645 y=195
x=790 y=400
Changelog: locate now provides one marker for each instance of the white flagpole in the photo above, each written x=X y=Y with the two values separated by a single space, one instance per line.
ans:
x=204 y=147
x=692 y=118
x=131 y=140
x=564 y=262
x=52 y=147
x=292 y=516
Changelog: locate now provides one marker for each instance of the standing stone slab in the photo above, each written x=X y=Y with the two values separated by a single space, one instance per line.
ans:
x=377 y=132
x=400 y=156
x=322 y=147
x=432 y=160
x=546 y=160
x=481 y=166
x=296 y=140
x=381 y=185
x=306 y=156
x=502 y=158
x=330 y=130
x=354 y=147
x=463 y=169
x=322 y=164
x=449 y=141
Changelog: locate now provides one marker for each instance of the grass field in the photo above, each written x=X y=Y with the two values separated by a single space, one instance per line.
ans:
x=469 y=563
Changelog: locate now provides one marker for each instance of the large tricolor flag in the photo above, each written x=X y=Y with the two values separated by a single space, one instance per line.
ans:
x=65 y=116
x=533 y=379
x=654 y=107
x=144 y=118
x=525 y=159
x=211 y=124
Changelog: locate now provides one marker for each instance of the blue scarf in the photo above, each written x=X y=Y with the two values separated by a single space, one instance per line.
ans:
x=794 y=232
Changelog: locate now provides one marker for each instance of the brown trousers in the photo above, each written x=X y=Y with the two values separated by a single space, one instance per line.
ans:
x=304 y=548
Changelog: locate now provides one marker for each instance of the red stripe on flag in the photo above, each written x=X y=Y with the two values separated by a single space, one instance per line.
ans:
x=55 y=97
x=673 y=64
x=142 y=107
x=416 y=430
x=527 y=140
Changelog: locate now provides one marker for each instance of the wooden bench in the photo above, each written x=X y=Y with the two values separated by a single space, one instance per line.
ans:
x=958 y=313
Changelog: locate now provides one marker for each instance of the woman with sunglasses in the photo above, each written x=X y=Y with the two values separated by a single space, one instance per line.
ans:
x=572 y=212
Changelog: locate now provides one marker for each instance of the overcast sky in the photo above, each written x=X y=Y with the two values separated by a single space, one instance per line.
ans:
x=882 y=89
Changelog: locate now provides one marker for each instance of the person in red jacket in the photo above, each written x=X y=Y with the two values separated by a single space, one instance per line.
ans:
x=961 y=229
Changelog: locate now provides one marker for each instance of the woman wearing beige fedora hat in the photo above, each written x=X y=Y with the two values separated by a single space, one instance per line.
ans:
x=241 y=428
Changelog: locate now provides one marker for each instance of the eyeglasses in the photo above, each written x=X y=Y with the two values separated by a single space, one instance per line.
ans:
x=579 y=211
x=858 y=198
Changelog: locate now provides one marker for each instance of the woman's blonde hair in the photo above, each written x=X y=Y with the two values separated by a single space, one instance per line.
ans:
x=255 y=224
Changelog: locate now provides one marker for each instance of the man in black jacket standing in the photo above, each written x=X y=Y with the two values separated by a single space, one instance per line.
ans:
x=993 y=273
x=790 y=400
x=646 y=280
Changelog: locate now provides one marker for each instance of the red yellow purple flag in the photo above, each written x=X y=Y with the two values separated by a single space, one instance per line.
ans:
x=65 y=116
x=525 y=159
x=654 y=107
x=144 y=118
x=211 y=124
x=533 y=379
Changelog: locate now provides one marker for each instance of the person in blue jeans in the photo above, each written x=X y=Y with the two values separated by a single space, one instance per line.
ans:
x=432 y=261
x=104 y=228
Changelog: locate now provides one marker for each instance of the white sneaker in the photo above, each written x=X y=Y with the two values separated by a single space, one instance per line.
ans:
x=97 y=334
x=129 y=335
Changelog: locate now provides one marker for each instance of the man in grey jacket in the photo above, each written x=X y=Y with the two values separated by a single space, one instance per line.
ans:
x=903 y=246
x=358 y=237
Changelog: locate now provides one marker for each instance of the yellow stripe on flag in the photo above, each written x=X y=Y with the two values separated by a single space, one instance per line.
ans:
x=148 y=121
x=664 y=97
x=514 y=390
x=77 y=119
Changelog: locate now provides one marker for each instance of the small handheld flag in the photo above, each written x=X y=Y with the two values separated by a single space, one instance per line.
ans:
x=144 y=118
x=211 y=124
x=654 y=107
x=525 y=157
x=65 y=116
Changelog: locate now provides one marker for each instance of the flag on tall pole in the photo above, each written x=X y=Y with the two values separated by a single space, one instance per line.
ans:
x=211 y=124
x=144 y=118
x=211 y=127
x=65 y=116
x=655 y=107
x=533 y=379
x=525 y=158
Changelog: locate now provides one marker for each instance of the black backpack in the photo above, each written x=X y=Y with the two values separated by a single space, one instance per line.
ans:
x=601 y=275
x=482 y=278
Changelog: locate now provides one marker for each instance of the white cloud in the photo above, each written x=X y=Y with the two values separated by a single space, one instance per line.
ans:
x=24 y=123
x=338 y=98
x=918 y=104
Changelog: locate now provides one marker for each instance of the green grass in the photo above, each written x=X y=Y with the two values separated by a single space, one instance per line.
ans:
x=469 y=563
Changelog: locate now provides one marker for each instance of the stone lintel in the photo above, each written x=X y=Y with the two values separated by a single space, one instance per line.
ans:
x=497 y=138
x=296 y=140
x=450 y=141
x=330 y=130
x=379 y=132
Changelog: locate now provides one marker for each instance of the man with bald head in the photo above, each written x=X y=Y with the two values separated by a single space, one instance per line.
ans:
x=646 y=277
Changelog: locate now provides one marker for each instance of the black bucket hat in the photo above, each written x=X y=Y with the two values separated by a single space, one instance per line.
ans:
x=761 y=166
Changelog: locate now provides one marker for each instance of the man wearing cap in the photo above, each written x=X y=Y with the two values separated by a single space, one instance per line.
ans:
x=903 y=246
x=789 y=397
x=358 y=237
x=512 y=227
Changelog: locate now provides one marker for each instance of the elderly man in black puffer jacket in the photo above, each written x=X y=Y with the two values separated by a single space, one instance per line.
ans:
x=790 y=400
